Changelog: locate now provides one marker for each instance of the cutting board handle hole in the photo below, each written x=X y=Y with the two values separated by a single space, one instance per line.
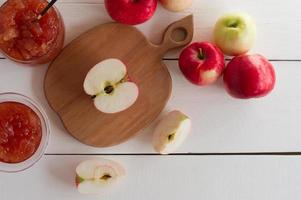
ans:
x=179 y=34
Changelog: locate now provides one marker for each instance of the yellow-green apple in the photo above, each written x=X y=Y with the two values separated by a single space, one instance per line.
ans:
x=249 y=76
x=176 y=5
x=171 y=132
x=202 y=63
x=131 y=11
x=108 y=84
x=235 y=33
x=94 y=176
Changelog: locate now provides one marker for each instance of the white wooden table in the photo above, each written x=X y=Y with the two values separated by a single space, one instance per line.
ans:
x=221 y=125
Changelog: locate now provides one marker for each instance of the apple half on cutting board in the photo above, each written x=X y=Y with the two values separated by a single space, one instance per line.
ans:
x=109 y=86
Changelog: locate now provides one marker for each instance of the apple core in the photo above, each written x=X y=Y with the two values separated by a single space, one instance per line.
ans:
x=109 y=89
x=106 y=177
x=171 y=137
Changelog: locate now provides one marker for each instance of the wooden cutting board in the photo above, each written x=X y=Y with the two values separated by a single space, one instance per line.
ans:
x=65 y=76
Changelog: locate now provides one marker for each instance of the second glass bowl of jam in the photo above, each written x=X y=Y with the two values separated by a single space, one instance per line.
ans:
x=24 y=38
x=24 y=132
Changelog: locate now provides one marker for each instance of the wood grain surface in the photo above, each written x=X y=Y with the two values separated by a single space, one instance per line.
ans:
x=65 y=77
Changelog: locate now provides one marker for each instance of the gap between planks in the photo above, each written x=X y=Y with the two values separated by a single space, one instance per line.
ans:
x=228 y=59
x=176 y=59
x=182 y=154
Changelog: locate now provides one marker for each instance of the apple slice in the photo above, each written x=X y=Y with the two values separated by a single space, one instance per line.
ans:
x=108 y=84
x=171 y=132
x=94 y=176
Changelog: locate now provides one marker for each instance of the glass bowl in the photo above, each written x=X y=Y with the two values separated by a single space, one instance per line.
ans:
x=19 y=98
x=55 y=48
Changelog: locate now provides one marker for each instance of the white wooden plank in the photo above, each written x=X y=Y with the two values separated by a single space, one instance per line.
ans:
x=220 y=123
x=278 y=23
x=154 y=177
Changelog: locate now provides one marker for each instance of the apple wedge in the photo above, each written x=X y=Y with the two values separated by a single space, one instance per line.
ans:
x=94 y=176
x=171 y=132
x=109 y=86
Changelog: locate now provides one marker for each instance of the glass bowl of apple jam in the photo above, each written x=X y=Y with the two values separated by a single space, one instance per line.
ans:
x=24 y=132
x=26 y=39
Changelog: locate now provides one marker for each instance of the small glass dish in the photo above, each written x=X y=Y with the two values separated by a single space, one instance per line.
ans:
x=19 y=98
x=22 y=43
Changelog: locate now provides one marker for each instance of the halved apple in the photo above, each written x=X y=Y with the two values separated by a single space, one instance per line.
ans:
x=94 y=176
x=109 y=86
x=171 y=132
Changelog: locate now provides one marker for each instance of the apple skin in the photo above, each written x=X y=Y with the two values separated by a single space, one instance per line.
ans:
x=235 y=33
x=131 y=12
x=176 y=5
x=202 y=63
x=249 y=76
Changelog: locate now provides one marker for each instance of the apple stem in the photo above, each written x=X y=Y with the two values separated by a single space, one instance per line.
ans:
x=233 y=24
x=201 y=54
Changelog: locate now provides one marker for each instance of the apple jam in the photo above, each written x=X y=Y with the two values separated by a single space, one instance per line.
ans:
x=20 y=132
x=24 y=38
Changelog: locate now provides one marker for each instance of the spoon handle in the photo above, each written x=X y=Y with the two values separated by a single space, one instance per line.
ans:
x=46 y=9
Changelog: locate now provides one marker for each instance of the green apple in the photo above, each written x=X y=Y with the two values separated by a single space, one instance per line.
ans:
x=171 y=132
x=94 y=176
x=176 y=5
x=235 y=33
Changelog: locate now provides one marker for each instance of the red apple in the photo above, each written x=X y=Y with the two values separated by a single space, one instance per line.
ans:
x=202 y=63
x=131 y=12
x=249 y=76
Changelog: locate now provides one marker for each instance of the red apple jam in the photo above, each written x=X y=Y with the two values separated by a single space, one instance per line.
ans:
x=25 y=39
x=20 y=132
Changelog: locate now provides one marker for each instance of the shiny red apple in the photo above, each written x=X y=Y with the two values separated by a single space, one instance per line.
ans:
x=202 y=63
x=249 y=76
x=131 y=12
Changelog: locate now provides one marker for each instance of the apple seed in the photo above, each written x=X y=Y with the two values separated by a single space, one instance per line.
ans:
x=171 y=137
x=106 y=177
x=109 y=89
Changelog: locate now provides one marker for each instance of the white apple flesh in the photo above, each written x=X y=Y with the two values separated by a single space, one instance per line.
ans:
x=171 y=132
x=235 y=33
x=176 y=5
x=94 y=176
x=107 y=83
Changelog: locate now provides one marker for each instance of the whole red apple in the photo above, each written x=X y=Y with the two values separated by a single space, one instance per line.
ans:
x=202 y=63
x=131 y=12
x=249 y=76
